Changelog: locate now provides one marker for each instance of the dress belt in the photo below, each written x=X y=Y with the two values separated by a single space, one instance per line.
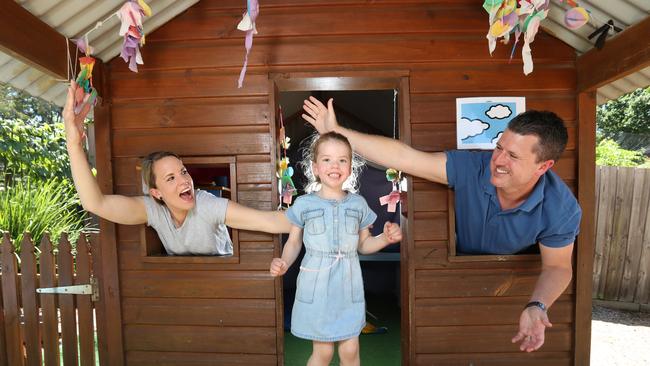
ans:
x=338 y=255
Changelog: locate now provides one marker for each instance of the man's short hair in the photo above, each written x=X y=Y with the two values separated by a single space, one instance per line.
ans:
x=549 y=129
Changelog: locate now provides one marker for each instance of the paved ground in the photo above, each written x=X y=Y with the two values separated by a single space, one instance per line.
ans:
x=620 y=338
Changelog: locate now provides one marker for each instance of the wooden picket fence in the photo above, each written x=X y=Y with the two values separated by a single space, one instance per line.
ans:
x=46 y=329
x=622 y=253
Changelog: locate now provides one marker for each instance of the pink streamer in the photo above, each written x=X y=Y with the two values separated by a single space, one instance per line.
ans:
x=391 y=199
x=253 y=11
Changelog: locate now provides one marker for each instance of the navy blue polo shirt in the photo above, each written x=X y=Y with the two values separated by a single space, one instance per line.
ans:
x=550 y=215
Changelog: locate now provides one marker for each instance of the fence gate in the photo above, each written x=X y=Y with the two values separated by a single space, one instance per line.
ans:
x=48 y=303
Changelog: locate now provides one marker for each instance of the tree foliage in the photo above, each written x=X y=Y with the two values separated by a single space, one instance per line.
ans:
x=16 y=104
x=627 y=119
x=32 y=139
x=32 y=149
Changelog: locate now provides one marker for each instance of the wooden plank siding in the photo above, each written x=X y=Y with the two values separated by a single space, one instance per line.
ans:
x=185 y=99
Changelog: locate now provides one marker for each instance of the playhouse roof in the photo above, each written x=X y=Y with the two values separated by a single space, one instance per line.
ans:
x=72 y=18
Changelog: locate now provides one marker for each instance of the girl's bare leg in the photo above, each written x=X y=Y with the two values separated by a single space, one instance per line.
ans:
x=349 y=352
x=322 y=354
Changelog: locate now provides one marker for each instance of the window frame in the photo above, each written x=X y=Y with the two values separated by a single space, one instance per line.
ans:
x=151 y=248
x=452 y=257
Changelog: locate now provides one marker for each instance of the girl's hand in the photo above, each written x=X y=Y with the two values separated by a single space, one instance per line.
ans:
x=278 y=267
x=321 y=117
x=74 y=123
x=392 y=232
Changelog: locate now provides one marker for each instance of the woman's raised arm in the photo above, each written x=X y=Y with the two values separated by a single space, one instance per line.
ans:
x=115 y=208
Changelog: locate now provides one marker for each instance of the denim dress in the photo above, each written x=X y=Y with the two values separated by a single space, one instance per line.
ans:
x=330 y=304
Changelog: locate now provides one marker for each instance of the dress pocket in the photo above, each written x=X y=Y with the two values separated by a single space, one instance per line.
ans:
x=352 y=219
x=306 y=286
x=314 y=221
x=357 y=283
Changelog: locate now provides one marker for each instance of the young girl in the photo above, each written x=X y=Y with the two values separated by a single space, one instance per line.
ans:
x=187 y=221
x=330 y=305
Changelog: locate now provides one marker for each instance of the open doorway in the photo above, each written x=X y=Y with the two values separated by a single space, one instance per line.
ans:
x=373 y=111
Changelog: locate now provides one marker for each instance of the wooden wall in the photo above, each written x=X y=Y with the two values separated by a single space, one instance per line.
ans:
x=185 y=99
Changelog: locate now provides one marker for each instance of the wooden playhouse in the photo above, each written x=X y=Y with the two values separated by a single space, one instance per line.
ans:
x=455 y=310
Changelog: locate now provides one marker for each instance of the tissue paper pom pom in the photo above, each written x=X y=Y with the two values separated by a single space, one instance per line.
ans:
x=576 y=17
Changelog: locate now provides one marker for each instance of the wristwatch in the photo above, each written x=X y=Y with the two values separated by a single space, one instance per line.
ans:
x=538 y=304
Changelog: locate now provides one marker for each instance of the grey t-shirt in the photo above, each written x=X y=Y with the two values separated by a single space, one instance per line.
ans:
x=203 y=232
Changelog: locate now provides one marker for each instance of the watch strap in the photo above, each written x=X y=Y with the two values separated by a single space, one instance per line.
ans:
x=538 y=304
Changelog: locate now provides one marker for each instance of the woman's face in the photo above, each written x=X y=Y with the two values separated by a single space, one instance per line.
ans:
x=333 y=163
x=174 y=184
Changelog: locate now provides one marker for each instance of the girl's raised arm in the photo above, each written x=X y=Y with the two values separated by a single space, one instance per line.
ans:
x=115 y=208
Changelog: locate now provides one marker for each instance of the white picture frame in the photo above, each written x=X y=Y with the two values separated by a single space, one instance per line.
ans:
x=480 y=121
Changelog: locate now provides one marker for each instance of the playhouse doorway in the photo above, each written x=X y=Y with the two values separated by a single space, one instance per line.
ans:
x=373 y=111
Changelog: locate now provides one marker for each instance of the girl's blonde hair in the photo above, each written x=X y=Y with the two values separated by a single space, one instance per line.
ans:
x=148 y=175
x=309 y=149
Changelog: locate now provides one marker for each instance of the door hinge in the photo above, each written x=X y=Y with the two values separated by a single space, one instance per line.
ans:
x=91 y=289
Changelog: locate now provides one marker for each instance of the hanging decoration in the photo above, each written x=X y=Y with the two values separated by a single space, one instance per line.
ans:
x=393 y=198
x=86 y=94
x=130 y=14
x=506 y=18
x=284 y=172
x=576 y=17
x=131 y=29
x=523 y=17
x=247 y=24
x=602 y=33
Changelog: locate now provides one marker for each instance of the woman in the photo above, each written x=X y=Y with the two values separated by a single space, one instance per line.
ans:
x=187 y=221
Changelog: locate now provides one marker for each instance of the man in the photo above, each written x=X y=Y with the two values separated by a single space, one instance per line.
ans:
x=506 y=201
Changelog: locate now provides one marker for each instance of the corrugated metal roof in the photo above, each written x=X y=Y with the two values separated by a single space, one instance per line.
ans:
x=624 y=13
x=75 y=17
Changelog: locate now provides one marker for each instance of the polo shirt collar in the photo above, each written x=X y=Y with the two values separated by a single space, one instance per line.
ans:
x=536 y=196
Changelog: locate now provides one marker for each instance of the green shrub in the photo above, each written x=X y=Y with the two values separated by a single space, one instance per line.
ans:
x=38 y=207
x=32 y=149
x=609 y=153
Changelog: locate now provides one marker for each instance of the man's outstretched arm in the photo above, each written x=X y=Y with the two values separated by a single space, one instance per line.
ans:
x=553 y=280
x=379 y=149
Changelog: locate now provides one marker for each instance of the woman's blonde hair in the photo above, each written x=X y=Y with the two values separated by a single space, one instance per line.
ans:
x=148 y=175
x=310 y=147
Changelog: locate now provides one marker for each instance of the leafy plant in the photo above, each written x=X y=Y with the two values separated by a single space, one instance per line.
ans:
x=38 y=207
x=608 y=152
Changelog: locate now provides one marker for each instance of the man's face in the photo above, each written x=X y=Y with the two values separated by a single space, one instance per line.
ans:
x=514 y=164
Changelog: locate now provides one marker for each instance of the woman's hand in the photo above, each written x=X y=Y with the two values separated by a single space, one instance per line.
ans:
x=392 y=232
x=278 y=267
x=74 y=123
